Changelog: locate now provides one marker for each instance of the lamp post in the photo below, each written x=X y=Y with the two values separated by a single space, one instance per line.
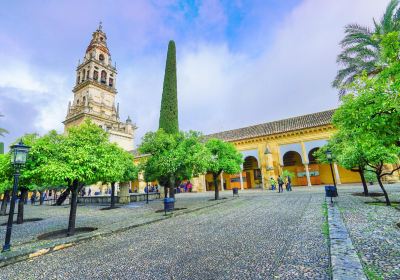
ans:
x=329 y=157
x=19 y=153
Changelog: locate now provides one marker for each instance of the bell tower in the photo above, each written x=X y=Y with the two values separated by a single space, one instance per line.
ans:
x=95 y=93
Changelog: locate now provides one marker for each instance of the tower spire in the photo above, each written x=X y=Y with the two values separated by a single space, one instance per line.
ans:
x=100 y=26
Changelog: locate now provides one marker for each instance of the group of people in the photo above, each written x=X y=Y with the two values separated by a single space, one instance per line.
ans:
x=184 y=187
x=151 y=189
x=281 y=182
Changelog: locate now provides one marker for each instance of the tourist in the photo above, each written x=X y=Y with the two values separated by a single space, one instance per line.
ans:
x=280 y=183
x=89 y=191
x=273 y=183
x=33 y=198
x=288 y=184
x=146 y=189
x=189 y=186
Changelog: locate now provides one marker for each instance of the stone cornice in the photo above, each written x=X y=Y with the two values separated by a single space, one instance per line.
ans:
x=263 y=139
x=94 y=83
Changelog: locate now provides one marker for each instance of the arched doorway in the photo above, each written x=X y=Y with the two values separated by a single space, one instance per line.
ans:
x=253 y=173
x=292 y=162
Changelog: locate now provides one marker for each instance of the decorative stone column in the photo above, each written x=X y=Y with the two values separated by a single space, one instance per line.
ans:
x=336 y=170
x=222 y=180
x=308 y=175
x=123 y=195
x=142 y=183
x=241 y=178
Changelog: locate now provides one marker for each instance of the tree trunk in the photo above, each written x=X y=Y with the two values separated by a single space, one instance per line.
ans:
x=384 y=191
x=172 y=187
x=165 y=190
x=20 y=216
x=63 y=196
x=72 y=212
x=112 y=195
x=364 y=183
x=3 y=209
x=215 y=179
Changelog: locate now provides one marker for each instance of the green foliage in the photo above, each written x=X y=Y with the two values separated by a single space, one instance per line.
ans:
x=169 y=102
x=116 y=165
x=287 y=173
x=325 y=224
x=370 y=175
x=362 y=47
x=224 y=157
x=179 y=155
x=2 y=130
x=6 y=172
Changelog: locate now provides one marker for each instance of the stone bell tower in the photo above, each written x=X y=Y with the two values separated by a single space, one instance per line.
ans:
x=95 y=92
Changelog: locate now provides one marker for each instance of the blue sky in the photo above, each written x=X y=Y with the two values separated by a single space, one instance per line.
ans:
x=239 y=62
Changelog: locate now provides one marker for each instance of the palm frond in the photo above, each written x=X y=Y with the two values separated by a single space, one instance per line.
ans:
x=3 y=131
x=388 y=16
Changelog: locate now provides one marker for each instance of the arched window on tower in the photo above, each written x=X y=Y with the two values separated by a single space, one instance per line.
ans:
x=111 y=82
x=103 y=77
x=87 y=75
x=95 y=75
x=78 y=79
x=101 y=57
x=84 y=100
x=83 y=76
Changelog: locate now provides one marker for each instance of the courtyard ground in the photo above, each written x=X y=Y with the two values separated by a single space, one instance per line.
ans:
x=260 y=235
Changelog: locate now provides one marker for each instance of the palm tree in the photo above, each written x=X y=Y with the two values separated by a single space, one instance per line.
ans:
x=361 y=47
x=2 y=130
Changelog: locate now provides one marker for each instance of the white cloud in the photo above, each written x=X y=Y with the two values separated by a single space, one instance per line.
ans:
x=219 y=89
x=44 y=91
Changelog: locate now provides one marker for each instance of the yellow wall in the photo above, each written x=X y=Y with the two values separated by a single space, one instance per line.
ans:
x=347 y=176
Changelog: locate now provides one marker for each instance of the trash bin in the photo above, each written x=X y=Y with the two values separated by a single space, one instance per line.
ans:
x=169 y=204
x=235 y=191
x=331 y=191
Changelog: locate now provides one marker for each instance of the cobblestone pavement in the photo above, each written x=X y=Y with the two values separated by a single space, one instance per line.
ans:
x=374 y=232
x=56 y=217
x=261 y=235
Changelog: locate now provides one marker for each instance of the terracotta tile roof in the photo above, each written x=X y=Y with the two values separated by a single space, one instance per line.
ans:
x=275 y=127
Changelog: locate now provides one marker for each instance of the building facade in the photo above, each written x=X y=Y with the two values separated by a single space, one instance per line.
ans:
x=270 y=148
x=95 y=94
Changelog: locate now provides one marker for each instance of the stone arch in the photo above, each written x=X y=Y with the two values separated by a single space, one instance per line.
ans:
x=101 y=57
x=311 y=158
x=83 y=74
x=103 y=77
x=250 y=162
x=292 y=158
x=252 y=172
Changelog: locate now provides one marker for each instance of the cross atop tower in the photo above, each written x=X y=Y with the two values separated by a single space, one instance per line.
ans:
x=100 y=26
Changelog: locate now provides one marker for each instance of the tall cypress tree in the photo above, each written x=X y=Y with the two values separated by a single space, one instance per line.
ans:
x=169 y=102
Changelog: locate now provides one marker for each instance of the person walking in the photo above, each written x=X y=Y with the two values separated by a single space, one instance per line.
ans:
x=33 y=198
x=273 y=183
x=289 y=184
x=280 y=184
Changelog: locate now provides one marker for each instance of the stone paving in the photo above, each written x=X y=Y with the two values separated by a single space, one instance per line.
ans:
x=56 y=217
x=260 y=235
x=373 y=231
